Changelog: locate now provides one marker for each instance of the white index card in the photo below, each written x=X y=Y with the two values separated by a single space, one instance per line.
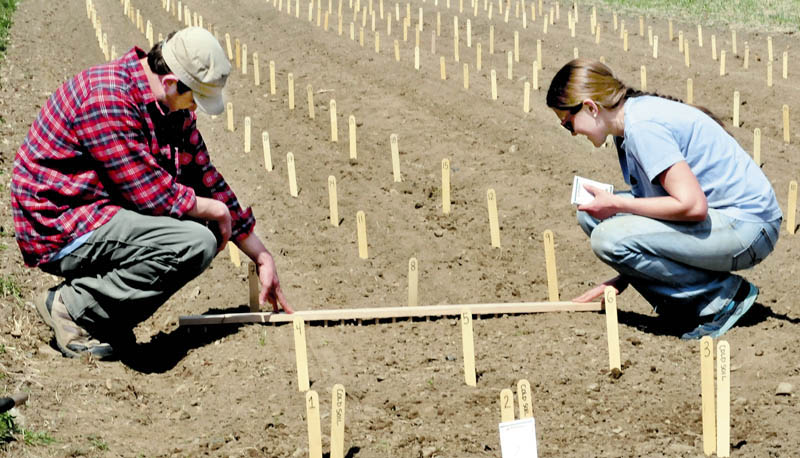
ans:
x=518 y=439
x=580 y=195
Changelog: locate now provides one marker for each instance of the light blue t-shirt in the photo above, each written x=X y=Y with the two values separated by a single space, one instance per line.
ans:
x=660 y=133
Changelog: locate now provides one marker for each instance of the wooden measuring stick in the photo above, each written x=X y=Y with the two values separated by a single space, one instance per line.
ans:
x=338 y=396
x=468 y=345
x=526 y=97
x=446 y=185
x=466 y=76
x=256 y=70
x=310 y=92
x=736 y=104
x=314 y=427
x=643 y=72
x=247 y=126
x=361 y=225
x=525 y=399
x=786 y=134
x=506 y=403
x=395 y=157
x=334 y=122
x=244 y=59
x=707 y=395
x=413 y=282
x=689 y=91
x=791 y=208
x=233 y=251
x=333 y=201
x=494 y=84
x=722 y=63
x=254 y=285
x=272 y=77
x=612 y=327
x=723 y=398
x=229 y=111
x=301 y=357
x=292 y=177
x=267 y=151
x=550 y=265
x=757 y=146
x=290 y=79
x=494 y=226
x=352 y=125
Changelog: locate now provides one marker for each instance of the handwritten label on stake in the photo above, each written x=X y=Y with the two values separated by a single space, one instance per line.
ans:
x=314 y=428
x=550 y=265
x=791 y=208
x=272 y=77
x=524 y=398
x=469 y=347
x=267 y=151
x=413 y=282
x=352 y=124
x=290 y=78
x=333 y=201
x=361 y=225
x=643 y=72
x=506 y=405
x=707 y=395
x=723 y=398
x=299 y=328
x=256 y=70
x=229 y=111
x=494 y=226
x=446 y=186
x=254 y=286
x=334 y=123
x=612 y=327
x=395 y=158
x=338 y=399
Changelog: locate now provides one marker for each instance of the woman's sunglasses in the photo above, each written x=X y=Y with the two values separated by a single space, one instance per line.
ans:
x=566 y=123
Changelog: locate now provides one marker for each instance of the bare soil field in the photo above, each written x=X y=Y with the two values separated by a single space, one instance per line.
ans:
x=232 y=390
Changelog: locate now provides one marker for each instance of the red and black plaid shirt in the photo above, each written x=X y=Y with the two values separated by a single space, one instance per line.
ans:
x=102 y=143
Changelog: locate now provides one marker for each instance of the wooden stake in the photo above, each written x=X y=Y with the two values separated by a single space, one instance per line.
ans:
x=272 y=77
x=643 y=72
x=786 y=134
x=680 y=41
x=314 y=428
x=494 y=84
x=333 y=201
x=757 y=146
x=671 y=35
x=478 y=63
x=396 y=51
x=352 y=124
x=723 y=399
x=689 y=91
x=292 y=177
x=238 y=54
x=769 y=49
x=229 y=111
x=791 y=208
x=524 y=398
x=361 y=223
x=442 y=68
x=733 y=43
x=468 y=345
x=655 y=47
x=413 y=282
x=612 y=327
x=535 y=75
x=526 y=97
x=469 y=33
x=769 y=74
x=228 y=45
x=466 y=76
x=713 y=47
x=233 y=251
x=395 y=157
x=267 y=152
x=506 y=403
x=334 y=123
x=247 y=125
x=550 y=265
x=707 y=395
x=722 y=63
x=244 y=59
x=290 y=77
x=256 y=70
x=736 y=104
x=510 y=73
x=494 y=226
x=516 y=46
x=491 y=39
x=299 y=327
x=539 y=54
x=785 y=72
x=575 y=53
x=416 y=58
x=746 y=55
x=254 y=285
x=699 y=35
x=338 y=397
x=446 y=185
x=686 y=59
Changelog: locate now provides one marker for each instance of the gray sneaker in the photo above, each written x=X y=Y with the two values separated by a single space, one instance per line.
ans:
x=71 y=339
x=728 y=316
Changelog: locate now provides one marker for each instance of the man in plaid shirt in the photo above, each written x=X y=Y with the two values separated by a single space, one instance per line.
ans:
x=113 y=190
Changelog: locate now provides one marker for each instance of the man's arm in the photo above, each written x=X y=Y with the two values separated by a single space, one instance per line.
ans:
x=270 y=285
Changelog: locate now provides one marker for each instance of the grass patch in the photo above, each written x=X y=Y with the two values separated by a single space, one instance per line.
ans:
x=9 y=288
x=7 y=8
x=9 y=430
x=775 y=15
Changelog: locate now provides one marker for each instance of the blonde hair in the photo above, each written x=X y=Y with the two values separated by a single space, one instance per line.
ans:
x=582 y=79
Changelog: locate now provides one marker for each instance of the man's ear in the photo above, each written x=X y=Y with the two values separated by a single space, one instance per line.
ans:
x=168 y=79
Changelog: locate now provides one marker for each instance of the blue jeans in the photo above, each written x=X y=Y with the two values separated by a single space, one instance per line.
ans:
x=681 y=266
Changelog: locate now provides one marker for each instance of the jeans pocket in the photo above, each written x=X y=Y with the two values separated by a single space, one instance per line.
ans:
x=755 y=253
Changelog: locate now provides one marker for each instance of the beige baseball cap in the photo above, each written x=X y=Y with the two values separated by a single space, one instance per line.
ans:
x=197 y=59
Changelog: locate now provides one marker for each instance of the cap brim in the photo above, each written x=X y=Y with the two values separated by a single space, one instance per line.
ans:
x=211 y=105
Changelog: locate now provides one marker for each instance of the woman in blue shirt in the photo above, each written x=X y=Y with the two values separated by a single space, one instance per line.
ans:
x=699 y=207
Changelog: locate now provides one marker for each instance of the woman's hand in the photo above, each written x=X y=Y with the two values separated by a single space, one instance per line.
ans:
x=618 y=283
x=604 y=205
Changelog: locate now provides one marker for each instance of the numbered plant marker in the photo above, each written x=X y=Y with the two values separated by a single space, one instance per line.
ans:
x=757 y=146
x=292 y=176
x=643 y=72
x=713 y=47
x=736 y=104
x=229 y=111
x=791 y=208
x=550 y=265
x=254 y=286
x=233 y=251
x=338 y=399
x=334 y=122
x=655 y=47
x=722 y=63
x=723 y=398
x=290 y=79
x=466 y=76
x=314 y=428
x=352 y=124
x=301 y=356
x=413 y=282
x=689 y=91
x=506 y=405
x=244 y=59
x=746 y=55
x=256 y=70
x=310 y=93
x=612 y=326
x=267 y=151
x=769 y=74
x=361 y=227
x=494 y=84
x=769 y=49
x=227 y=44
x=272 y=77
x=786 y=134
x=446 y=186
x=238 y=54
x=395 y=157
x=442 y=68
x=333 y=201
x=526 y=97
x=469 y=347
x=707 y=395
x=539 y=53
x=478 y=63
x=525 y=399
x=785 y=72
x=247 y=139
x=494 y=225
x=510 y=73
x=535 y=75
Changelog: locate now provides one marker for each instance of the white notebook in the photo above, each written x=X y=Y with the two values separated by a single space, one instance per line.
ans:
x=580 y=195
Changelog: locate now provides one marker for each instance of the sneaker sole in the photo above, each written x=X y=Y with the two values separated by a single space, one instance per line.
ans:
x=45 y=313
x=740 y=311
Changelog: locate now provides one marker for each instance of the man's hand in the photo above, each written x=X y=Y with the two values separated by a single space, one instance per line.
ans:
x=270 y=286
